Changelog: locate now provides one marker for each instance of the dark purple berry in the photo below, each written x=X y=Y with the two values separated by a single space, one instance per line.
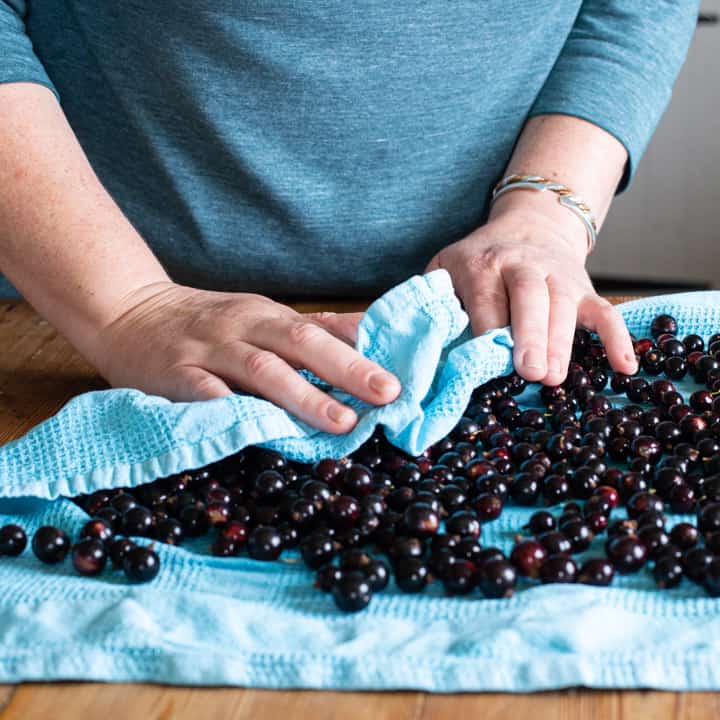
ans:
x=497 y=579
x=224 y=547
x=541 y=522
x=463 y=523
x=318 y=549
x=487 y=507
x=411 y=574
x=488 y=554
x=270 y=484
x=596 y=571
x=326 y=577
x=357 y=481
x=169 y=531
x=527 y=557
x=355 y=559
x=695 y=563
x=406 y=547
x=654 y=539
x=112 y=517
x=342 y=511
x=117 y=549
x=97 y=528
x=327 y=471
x=555 y=489
x=693 y=343
x=50 y=544
x=663 y=324
x=378 y=575
x=420 y=520
x=555 y=542
x=708 y=519
x=584 y=482
x=640 y=502
x=13 y=540
x=672 y=347
x=675 y=368
x=123 y=502
x=651 y=518
x=579 y=534
x=525 y=488
x=265 y=543
x=460 y=577
x=626 y=552
x=639 y=390
x=668 y=572
x=89 y=556
x=194 y=521
x=684 y=535
x=138 y=520
x=352 y=592
x=558 y=569
x=467 y=548
x=653 y=361
x=141 y=564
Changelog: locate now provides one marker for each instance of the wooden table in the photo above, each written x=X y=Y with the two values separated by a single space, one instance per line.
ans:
x=38 y=373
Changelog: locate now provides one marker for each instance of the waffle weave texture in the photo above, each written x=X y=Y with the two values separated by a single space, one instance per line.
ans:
x=212 y=621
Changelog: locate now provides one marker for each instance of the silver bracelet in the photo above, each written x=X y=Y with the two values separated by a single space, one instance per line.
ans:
x=566 y=197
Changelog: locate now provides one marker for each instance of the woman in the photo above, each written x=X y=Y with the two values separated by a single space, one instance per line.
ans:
x=204 y=155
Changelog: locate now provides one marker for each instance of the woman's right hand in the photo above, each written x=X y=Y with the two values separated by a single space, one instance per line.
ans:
x=187 y=344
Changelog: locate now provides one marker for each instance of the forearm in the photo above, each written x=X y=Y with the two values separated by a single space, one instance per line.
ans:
x=64 y=243
x=570 y=151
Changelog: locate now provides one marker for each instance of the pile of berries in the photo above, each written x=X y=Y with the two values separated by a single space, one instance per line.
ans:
x=377 y=515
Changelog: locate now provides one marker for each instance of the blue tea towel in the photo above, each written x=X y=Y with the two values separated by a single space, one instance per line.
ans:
x=236 y=621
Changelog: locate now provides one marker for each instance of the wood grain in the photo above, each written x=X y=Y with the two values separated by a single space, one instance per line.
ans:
x=39 y=372
x=93 y=701
x=6 y=695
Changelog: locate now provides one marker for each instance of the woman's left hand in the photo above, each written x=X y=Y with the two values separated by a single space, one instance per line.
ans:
x=526 y=267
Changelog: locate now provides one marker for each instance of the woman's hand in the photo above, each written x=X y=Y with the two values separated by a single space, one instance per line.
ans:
x=188 y=344
x=526 y=267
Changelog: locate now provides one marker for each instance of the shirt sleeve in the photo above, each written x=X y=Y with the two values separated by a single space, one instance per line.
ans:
x=18 y=62
x=618 y=66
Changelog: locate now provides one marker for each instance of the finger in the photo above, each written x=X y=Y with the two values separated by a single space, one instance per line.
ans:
x=308 y=345
x=434 y=264
x=189 y=383
x=529 y=310
x=561 y=331
x=263 y=373
x=597 y=314
x=486 y=303
x=342 y=325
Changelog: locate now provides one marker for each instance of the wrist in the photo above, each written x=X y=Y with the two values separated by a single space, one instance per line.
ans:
x=534 y=211
x=95 y=340
x=84 y=315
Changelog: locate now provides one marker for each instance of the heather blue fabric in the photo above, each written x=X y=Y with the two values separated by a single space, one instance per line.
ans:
x=300 y=148
x=211 y=621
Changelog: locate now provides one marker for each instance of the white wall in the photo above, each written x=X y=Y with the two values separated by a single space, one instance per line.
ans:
x=667 y=225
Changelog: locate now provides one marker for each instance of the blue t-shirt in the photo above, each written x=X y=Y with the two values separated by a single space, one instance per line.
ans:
x=320 y=147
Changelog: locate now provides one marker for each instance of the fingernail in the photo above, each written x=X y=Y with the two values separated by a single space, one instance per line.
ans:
x=630 y=357
x=382 y=383
x=554 y=365
x=533 y=359
x=340 y=414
